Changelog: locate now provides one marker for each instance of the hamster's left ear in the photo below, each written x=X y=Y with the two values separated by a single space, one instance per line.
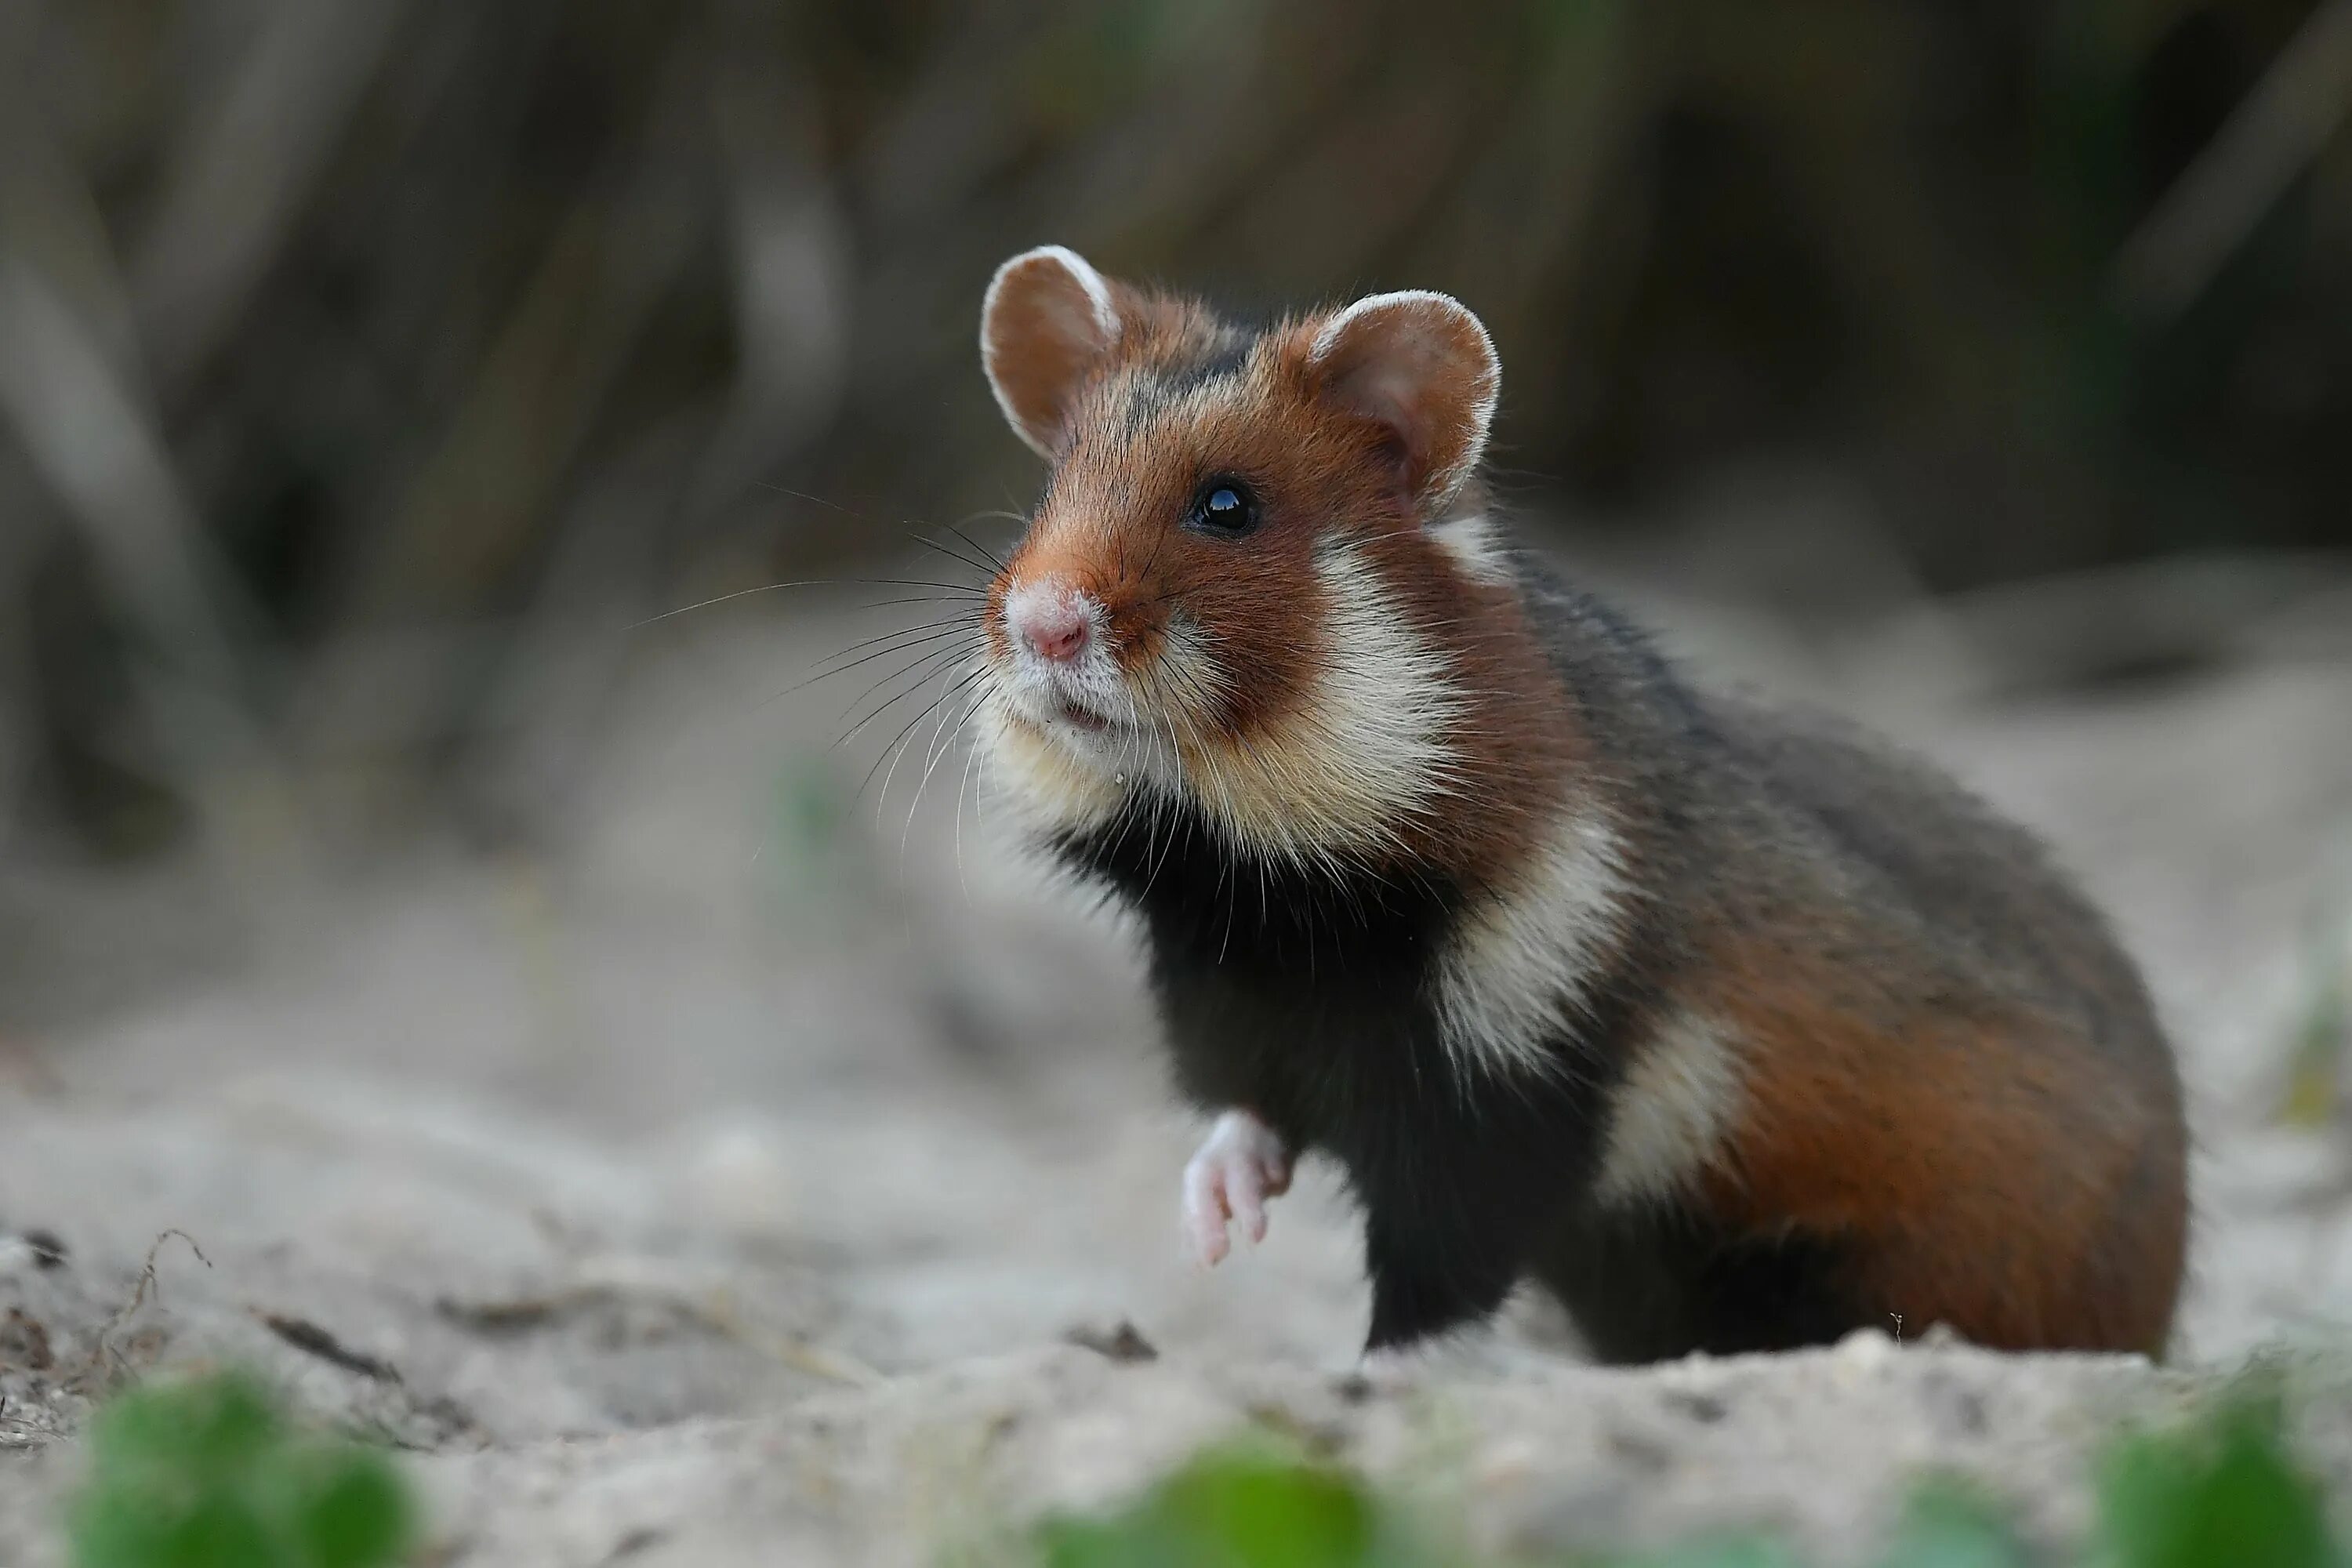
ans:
x=1047 y=324
x=1422 y=366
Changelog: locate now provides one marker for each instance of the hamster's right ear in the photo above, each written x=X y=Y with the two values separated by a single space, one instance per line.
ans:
x=1045 y=324
x=1422 y=366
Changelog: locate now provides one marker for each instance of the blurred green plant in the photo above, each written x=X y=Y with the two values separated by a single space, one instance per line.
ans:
x=1948 y=1525
x=812 y=812
x=211 y=1473
x=1236 y=1509
x=820 y=866
x=2222 y=1492
x=2322 y=1039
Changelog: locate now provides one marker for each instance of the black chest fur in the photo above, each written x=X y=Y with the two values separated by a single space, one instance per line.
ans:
x=1307 y=995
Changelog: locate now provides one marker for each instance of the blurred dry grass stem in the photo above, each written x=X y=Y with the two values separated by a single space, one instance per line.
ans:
x=367 y=366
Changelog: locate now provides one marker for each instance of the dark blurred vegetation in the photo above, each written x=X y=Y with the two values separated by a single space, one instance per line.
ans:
x=364 y=364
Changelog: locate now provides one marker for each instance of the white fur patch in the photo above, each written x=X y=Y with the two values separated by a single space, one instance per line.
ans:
x=1475 y=548
x=1518 y=969
x=1368 y=751
x=1681 y=1096
x=1035 y=777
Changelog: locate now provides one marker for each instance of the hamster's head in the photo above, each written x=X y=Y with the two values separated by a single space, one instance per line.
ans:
x=1243 y=585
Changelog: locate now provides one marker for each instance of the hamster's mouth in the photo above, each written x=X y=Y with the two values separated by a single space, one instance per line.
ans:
x=1080 y=717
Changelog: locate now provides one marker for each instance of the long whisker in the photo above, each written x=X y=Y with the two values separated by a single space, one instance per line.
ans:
x=966 y=589
x=898 y=742
x=963 y=621
x=971 y=760
x=936 y=705
x=939 y=749
x=893 y=748
x=984 y=550
x=818 y=500
x=948 y=653
x=910 y=599
x=955 y=629
x=958 y=558
x=862 y=517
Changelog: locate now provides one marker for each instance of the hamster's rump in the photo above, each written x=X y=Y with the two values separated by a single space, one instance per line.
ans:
x=1949 y=1073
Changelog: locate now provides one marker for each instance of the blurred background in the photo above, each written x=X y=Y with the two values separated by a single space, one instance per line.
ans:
x=373 y=373
x=365 y=364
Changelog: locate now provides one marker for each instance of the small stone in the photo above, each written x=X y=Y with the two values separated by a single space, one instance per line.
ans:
x=1124 y=1343
x=740 y=1179
x=1703 y=1408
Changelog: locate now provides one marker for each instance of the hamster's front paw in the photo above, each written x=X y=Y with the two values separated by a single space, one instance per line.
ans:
x=1240 y=1165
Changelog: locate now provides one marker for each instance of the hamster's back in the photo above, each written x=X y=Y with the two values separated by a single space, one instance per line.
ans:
x=1906 y=836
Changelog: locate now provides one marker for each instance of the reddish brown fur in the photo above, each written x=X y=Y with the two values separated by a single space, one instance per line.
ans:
x=1989 y=1193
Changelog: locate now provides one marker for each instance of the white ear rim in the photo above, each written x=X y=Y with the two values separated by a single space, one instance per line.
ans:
x=1089 y=281
x=1443 y=485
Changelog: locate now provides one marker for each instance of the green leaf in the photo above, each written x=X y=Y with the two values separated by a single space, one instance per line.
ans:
x=207 y=1474
x=216 y=1426
x=1228 y=1510
x=223 y=1532
x=356 y=1515
x=2229 y=1495
x=1269 y=1515
x=1950 y=1526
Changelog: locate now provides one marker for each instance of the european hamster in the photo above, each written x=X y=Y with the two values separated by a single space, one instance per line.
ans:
x=1732 y=1026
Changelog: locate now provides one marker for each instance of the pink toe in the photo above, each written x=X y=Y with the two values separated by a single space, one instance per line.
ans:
x=1209 y=1244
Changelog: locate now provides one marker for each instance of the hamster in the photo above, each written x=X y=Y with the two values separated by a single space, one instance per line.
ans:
x=1729 y=1025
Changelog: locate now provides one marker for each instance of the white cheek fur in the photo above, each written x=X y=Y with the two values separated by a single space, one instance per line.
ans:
x=1369 y=749
x=1036 y=776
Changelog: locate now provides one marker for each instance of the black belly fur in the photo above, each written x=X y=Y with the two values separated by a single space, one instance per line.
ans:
x=1303 y=996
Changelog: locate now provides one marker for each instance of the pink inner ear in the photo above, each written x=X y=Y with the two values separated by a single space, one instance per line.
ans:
x=1047 y=322
x=1421 y=365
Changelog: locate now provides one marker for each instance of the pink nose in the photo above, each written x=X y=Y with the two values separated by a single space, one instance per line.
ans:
x=1054 y=629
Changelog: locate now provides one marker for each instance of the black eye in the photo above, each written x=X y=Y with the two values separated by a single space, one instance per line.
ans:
x=1224 y=508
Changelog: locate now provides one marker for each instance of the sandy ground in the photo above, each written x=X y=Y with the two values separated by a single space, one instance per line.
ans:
x=691 y=1194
